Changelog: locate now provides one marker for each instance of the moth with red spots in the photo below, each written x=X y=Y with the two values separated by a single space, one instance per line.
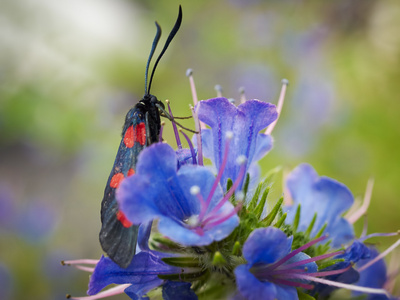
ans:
x=118 y=237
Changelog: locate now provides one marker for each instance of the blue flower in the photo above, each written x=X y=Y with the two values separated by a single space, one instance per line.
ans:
x=245 y=121
x=324 y=196
x=141 y=274
x=374 y=276
x=188 y=202
x=270 y=266
x=355 y=252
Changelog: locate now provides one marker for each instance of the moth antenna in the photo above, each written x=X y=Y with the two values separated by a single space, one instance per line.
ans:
x=153 y=48
x=169 y=39
x=169 y=117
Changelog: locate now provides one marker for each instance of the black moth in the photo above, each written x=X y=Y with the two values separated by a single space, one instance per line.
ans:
x=118 y=237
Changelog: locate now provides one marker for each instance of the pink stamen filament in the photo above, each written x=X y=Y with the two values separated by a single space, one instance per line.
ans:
x=203 y=204
x=380 y=256
x=198 y=127
x=217 y=179
x=108 y=293
x=220 y=220
x=230 y=192
x=271 y=127
x=80 y=262
x=190 y=146
x=311 y=259
x=189 y=74
x=293 y=283
x=178 y=139
x=83 y=268
x=294 y=252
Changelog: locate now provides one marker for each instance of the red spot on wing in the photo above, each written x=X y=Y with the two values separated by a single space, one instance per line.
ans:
x=130 y=137
x=141 y=133
x=131 y=172
x=116 y=180
x=122 y=218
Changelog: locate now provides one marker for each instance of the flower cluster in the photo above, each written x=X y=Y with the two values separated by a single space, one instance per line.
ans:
x=214 y=232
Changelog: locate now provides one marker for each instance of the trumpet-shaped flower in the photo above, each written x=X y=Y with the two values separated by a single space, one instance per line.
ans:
x=323 y=196
x=245 y=121
x=188 y=202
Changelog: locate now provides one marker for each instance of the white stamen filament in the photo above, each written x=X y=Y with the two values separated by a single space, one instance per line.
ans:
x=380 y=256
x=108 y=293
x=345 y=286
x=80 y=262
x=285 y=83
x=364 y=207
x=242 y=95
x=218 y=88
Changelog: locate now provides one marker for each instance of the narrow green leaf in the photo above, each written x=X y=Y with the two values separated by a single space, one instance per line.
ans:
x=321 y=231
x=296 y=218
x=311 y=226
x=189 y=262
x=246 y=185
x=280 y=221
x=304 y=296
x=260 y=207
x=253 y=203
x=271 y=216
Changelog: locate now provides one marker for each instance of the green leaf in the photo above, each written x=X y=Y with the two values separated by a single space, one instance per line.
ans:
x=260 y=207
x=271 y=216
x=304 y=296
x=188 y=262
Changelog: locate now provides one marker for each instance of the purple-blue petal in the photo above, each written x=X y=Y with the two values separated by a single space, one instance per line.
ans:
x=245 y=121
x=266 y=245
x=324 y=196
x=144 y=268
x=252 y=288
x=173 y=290
x=374 y=276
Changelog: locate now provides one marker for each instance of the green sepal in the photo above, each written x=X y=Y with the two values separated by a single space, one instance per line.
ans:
x=280 y=221
x=167 y=243
x=246 y=185
x=218 y=259
x=260 y=207
x=321 y=231
x=304 y=296
x=330 y=263
x=193 y=276
x=229 y=184
x=296 y=218
x=311 y=226
x=184 y=262
x=271 y=216
x=253 y=203
x=237 y=249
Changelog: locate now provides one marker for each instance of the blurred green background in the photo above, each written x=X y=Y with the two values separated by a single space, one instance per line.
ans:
x=69 y=72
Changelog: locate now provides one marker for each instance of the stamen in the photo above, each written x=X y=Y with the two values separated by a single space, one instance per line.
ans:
x=364 y=207
x=108 y=293
x=218 y=88
x=189 y=74
x=285 y=83
x=312 y=259
x=293 y=283
x=160 y=139
x=194 y=161
x=298 y=250
x=242 y=95
x=328 y=273
x=178 y=139
x=198 y=126
x=346 y=286
x=380 y=256
x=195 y=191
x=229 y=136
x=242 y=160
x=378 y=235
x=221 y=219
x=80 y=262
